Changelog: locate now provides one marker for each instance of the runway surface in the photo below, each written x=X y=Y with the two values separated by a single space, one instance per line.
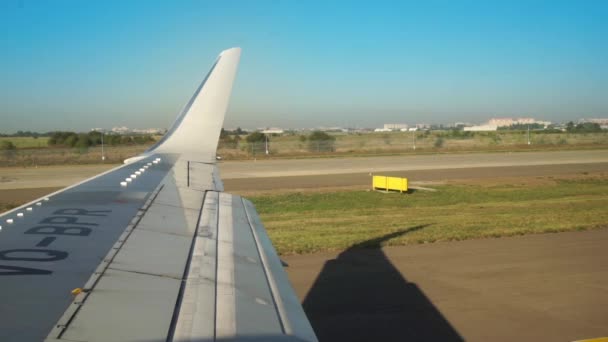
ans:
x=416 y=177
x=325 y=166
x=430 y=167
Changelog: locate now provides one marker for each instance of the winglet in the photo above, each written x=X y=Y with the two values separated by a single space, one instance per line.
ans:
x=196 y=129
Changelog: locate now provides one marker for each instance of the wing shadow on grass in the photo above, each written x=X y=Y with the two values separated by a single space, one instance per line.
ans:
x=361 y=296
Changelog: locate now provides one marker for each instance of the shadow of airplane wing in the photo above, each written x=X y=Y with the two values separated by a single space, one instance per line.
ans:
x=361 y=296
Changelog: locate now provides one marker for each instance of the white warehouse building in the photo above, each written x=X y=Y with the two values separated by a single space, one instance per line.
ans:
x=395 y=126
x=482 y=128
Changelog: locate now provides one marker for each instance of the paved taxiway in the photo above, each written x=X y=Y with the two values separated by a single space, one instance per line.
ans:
x=455 y=166
x=325 y=166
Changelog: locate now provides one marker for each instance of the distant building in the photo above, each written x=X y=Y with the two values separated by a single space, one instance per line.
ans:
x=147 y=131
x=603 y=122
x=127 y=130
x=120 y=130
x=481 y=128
x=331 y=129
x=395 y=126
x=383 y=130
x=507 y=122
x=273 y=130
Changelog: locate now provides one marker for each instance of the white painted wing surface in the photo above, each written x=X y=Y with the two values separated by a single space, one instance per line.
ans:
x=162 y=256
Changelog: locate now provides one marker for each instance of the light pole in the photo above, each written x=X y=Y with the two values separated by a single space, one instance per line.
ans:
x=266 y=135
x=528 y=134
x=103 y=156
x=414 y=140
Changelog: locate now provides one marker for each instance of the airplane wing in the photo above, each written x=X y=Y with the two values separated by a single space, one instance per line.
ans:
x=153 y=250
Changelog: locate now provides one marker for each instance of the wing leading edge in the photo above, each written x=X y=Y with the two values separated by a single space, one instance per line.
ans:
x=167 y=257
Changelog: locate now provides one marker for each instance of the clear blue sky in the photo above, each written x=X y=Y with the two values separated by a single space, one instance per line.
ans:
x=75 y=65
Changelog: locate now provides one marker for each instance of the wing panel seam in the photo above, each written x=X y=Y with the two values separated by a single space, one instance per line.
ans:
x=182 y=286
x=285 y=327
x=65 y=320
x=217 y=246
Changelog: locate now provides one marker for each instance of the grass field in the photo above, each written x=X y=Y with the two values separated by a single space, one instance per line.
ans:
x=27 y=142
x=70 y=156
x=310 y=222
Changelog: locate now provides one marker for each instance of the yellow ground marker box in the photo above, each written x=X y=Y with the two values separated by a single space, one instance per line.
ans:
x=389 y=183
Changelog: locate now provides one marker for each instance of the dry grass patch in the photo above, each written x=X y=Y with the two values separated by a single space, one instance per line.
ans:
x=309 y=222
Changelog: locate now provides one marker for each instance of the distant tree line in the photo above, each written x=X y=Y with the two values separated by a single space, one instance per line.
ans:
x=585 y=127
x=27 y=134
x=230 y=139
x=237 y=131
x=319 y=141
x=455 y=133
x=257 y=142
x=93 y=138
x=316 y=141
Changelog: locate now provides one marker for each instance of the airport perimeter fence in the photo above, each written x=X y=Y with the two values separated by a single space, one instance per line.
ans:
x=60 y=156
x=409 y=143
x=343 y=144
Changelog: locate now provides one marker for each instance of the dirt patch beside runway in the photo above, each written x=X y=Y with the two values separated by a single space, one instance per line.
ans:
x=10 y=198
x=549 y=287
x=48 y=176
